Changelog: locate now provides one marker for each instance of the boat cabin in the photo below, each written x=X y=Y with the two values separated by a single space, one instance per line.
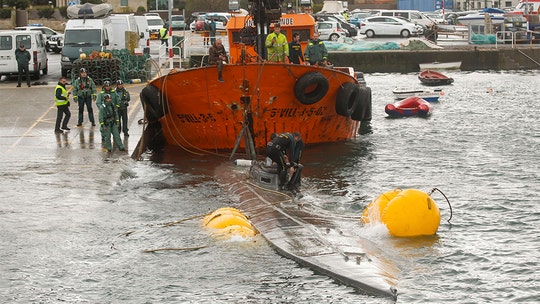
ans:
x=527 y=7
x=242 y=34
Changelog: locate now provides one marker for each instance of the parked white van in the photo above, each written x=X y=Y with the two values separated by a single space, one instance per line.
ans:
x=124 y=26
x=84 y=35
x=414 y=16
x=33 y=41
x=144 y=31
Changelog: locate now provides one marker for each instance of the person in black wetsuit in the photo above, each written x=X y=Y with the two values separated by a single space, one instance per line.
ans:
x=276 y=150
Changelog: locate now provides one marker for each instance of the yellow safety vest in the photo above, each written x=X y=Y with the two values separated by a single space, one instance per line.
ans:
x=163 y=34
x=61 y=102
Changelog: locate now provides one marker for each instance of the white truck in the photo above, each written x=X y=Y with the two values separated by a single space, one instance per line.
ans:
x=88 y=29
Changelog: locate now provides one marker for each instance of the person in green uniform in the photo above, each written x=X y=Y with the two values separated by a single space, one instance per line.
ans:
x=108 y=119
x=23 y=59
x=84 y=92
x=106 y=89
x=316 y=52
x=122 y=97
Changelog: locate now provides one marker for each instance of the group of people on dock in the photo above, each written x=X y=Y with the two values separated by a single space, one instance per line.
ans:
x=111 y=103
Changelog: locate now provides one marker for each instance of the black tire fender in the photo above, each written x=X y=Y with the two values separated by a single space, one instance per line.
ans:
x=311 y=87
x=150 y=99
x=363 y=110
x=347 y=99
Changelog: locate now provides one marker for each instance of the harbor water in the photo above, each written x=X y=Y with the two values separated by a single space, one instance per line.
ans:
x=79 y=227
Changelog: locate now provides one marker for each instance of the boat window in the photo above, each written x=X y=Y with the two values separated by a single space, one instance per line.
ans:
x=305 y=34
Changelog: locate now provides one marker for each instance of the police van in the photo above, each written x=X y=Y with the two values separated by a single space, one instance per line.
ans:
x=34 y=42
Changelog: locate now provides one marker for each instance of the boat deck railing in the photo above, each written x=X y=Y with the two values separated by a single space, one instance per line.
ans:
x=193 y=45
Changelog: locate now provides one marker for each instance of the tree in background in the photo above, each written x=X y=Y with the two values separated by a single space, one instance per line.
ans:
x=19 y=4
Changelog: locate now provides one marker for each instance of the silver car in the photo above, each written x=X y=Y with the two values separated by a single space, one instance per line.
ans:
x=389 y=26
x=330 y=30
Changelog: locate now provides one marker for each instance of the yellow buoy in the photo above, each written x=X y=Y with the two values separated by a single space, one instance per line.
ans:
x=229 y=221
x=82 y=56
x=373 y=211
x=409 y=212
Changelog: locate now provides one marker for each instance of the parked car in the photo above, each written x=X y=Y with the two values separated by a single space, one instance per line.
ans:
x=352 y=30
x=438 y=18
x=178 y=22
x=197 y=24
x=155 y=23
x=357 y=18
x=54 y=39
x=389 y=26
x=220 y=19
x=329 y=30
x=413 y=16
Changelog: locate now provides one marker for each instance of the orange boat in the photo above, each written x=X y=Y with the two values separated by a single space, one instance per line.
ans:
x=257 y=98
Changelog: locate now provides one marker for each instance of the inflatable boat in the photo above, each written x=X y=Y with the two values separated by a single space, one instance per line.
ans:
x=410 y=106
x=89 y=11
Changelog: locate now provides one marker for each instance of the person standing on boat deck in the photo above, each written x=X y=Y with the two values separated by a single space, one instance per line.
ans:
x=295 y=50
x=206 y=28
x=316 y=52
x=23 y=59
x=61 y=98
x=122 y=97
x=212 y=31
x=217 y=56
x=164 y=37
x=276 y=45
x=276 y=151
x=84 y=92
x=108 y=119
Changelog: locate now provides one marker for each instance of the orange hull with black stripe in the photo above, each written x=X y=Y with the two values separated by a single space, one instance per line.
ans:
x=203 y=113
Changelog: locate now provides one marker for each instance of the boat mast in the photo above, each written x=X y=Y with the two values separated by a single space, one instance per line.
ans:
x=263 y=13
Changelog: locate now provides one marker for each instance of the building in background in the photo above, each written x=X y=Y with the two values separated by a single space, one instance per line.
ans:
x=119 y=6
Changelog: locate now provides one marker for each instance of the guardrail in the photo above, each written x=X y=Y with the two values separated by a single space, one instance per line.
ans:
x=515 y=37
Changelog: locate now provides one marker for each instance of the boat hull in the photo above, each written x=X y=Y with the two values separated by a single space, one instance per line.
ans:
x=199 y=112
x=455 y=65
x=480 y=19
x=427 y=95
x=310 y=239
x=432 y=78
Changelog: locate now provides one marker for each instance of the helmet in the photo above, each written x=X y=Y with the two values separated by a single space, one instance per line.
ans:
x=82 y=70
x=107 y=96
x=107 y=83
x=119 y=81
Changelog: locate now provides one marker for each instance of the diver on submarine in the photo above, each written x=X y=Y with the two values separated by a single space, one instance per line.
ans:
x=276 y=150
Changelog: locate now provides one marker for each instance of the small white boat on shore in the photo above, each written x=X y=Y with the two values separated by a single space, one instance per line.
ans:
x=427 y=95
x=454 y=65
x=480 y=19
